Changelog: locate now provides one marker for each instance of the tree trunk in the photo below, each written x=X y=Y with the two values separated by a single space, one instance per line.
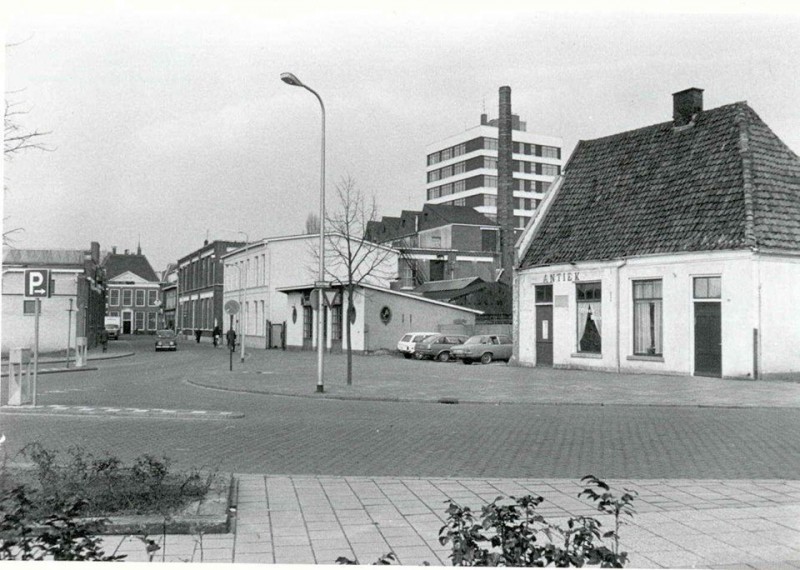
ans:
x=349 y=338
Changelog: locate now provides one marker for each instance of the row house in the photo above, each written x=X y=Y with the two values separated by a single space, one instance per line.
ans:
x=669 y=249
x=200 y=282
x=133 y=292
x=75 y=308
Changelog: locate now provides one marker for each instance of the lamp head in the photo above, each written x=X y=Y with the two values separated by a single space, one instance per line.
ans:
x=290 y=79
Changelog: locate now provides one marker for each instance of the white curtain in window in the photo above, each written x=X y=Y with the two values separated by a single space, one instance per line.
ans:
x=647 y=327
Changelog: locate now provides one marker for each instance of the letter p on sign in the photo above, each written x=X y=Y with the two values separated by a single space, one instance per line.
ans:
x=37 y=283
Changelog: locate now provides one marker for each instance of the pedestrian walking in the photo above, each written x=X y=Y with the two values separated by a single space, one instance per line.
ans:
x=217 y=334
x=104 y=339
x=197 y=334
x=230 y=336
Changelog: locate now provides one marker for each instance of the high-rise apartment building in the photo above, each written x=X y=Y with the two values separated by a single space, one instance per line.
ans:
x=462 y=169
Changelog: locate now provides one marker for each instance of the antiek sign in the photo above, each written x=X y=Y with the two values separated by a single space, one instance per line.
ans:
x=558 y=277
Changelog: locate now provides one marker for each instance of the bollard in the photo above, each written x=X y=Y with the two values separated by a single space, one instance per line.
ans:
x=80 y=352
x=16 y=390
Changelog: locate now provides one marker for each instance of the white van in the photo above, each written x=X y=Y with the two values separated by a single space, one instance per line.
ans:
x=408 y=343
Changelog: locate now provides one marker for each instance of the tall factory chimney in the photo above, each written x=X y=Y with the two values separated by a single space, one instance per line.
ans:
x=505 y=186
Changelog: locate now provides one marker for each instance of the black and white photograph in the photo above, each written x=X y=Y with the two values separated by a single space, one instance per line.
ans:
x=401 y=283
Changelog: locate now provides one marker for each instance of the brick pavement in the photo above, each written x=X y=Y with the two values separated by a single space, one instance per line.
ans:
x=315 y=519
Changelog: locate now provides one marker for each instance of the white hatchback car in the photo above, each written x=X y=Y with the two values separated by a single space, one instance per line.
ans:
x=407 y=344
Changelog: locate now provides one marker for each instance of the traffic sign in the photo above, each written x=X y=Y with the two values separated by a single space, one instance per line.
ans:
x=232 y=307
x=323 y=284
x=330 y=296
x=37 y=283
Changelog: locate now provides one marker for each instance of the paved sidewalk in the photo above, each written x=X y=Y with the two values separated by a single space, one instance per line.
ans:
x=315 y=519
x=56 y=364
x=395 y=379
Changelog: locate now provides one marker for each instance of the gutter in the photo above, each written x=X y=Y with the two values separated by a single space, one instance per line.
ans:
x=620 y=264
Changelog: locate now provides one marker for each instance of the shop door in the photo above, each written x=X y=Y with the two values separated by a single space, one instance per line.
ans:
x=544 y=335
x=707 y=339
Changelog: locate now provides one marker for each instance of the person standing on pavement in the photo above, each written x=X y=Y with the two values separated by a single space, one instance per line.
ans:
x=230 y=336
x=217 y=334
x=197 y=334
x=104 y=339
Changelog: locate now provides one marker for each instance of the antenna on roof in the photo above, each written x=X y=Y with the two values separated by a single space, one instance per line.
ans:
x=139 y=245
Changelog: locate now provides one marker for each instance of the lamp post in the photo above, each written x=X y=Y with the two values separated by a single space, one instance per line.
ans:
x=290 y=79
x=244 y=312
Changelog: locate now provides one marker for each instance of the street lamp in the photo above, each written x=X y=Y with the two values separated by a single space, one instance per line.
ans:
x=290 y=79
x=244 y=312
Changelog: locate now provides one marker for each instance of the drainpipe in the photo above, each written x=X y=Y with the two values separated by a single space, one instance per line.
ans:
x=620 y=264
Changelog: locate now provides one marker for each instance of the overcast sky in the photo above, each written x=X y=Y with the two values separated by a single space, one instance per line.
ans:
x=169 y=124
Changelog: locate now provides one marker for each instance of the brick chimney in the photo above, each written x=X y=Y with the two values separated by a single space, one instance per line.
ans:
x=505 y=185
x=685 y=105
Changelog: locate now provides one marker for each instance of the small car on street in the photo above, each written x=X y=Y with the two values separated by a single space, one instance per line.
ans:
x=113 y=331
x=166 y=340
x=437 y=346
x=484 y=348
x=407 y=344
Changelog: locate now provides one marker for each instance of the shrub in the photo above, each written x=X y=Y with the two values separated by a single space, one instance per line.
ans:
x=512 y=533
x=59 y=535
x=146 y=486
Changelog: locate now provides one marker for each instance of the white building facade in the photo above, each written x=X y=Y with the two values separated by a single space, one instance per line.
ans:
x=726 y=313
x=256 y=273
x=462 y=169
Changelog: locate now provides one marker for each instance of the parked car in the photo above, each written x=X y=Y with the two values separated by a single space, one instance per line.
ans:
x=113 y=331
x=438 y=346
x=406 y=344
x=166 y=340
x=484 y=347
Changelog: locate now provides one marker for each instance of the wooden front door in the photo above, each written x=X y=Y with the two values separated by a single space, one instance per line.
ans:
x=707 y=339
x=544 y=325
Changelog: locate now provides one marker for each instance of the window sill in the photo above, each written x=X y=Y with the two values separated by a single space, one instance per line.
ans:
x=586 y=355
x=645 y=358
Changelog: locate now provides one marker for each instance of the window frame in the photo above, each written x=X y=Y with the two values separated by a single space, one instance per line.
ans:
x=654 y=349
x=580 y=331
x=113 y=300
x=129 y=294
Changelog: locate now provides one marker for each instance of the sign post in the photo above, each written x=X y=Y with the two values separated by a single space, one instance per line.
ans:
x=37 y=285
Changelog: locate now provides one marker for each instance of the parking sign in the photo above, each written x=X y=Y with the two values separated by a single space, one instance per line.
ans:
x=37 y=283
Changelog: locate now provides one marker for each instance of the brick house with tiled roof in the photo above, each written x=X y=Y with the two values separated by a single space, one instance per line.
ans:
x=133 y=292
x=673 y=248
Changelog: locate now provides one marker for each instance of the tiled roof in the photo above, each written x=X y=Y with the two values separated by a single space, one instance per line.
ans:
x=43 y=257
x=436 y=215
x=118 y=263
x=725 y=182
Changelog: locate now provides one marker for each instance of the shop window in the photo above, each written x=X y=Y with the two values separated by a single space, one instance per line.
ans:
x=590 y=317
x=647 y=317
x=707 y=287
x=140 y=298
x=113 y=297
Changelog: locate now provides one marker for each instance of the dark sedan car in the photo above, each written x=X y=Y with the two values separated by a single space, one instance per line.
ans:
x=437 y=346
x=484 y=347
x=166 y=340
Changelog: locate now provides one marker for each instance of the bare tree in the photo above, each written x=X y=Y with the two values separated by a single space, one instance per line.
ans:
x=17 y=139
x=350 y=259
x=312 y=223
